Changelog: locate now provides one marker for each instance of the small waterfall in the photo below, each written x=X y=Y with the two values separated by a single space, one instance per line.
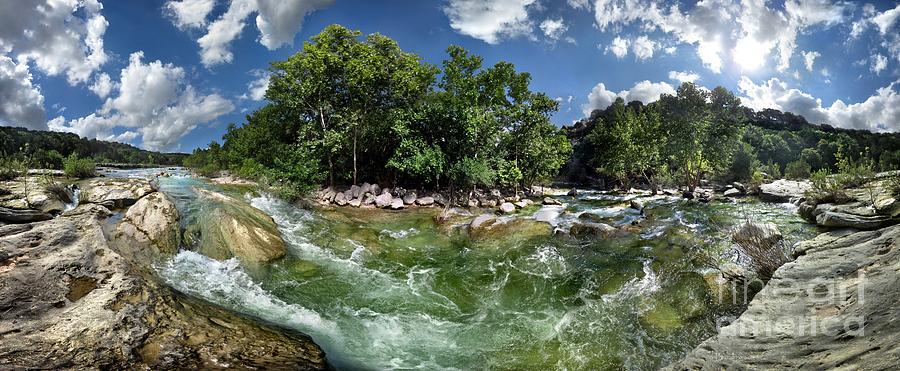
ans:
x=74 y=199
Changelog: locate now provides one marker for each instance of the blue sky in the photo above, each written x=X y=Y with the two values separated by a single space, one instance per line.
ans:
x=170 y=75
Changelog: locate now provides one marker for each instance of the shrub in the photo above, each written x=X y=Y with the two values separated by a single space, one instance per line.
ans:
x=827 y=187
x=855 y=172
x=772 y=169
x=79 y=167
x=797 y=170
x=11 y=168
x=763 y=245
x=55 y=188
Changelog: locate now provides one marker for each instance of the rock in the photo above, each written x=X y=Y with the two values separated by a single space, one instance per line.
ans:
x=425 y=201
x=340 y=199
x=355 y=202
x=507 y=207
x=72 y=300
x=732 y=192
x=440 y=199
x=766 y=234
x=22 y=215
x=482 y=221
x=806 y=210
x=739 y=186
x=688 y=195
x=152 y=222
x=235 y=229
x=487 y=203
x=115 y=193
x=783 y=190
x=409 y=198
x=39 y=197
x=375 y=189
x=369 y=199
x=328 y=194
x=536 y=191
x=834 y=307
x=551 y=201
x=521 y=204
x=397 y=204
x=836 y=219
x=572 y=192
x=595 y=229
x=354 y=191
x=636 y=204
x=384 y=200
x=363 y=189
x=473 y=202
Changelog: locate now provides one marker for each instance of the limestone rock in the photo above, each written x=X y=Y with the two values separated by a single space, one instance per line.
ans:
x=732 y=192
x=783 y=190
x=355 y=202
x=507 y=207
x=384 y=200
x=152 y=221
x=22 y=215
x=425 y=201
x=340 y=199
x=397 y=204
x=234 y=228
x=596 y=229
x=115 y=193
x=551 y=201
x=409 y=198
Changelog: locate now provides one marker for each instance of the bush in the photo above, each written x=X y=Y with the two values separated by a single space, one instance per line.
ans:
x=827 y=187
x=79 y=167
x=855 y=172
x=11 y=168
x=763 y=245
x=772 y=169
x=55 y=188
x=797 y=170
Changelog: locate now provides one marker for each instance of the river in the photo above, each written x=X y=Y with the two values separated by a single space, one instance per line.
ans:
x=393 y=290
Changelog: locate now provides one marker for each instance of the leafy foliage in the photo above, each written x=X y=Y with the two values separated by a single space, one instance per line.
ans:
x=79 y=167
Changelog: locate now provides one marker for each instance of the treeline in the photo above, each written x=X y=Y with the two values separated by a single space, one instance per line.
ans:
x=696 y=134
x=348 y=109
x=50 y=149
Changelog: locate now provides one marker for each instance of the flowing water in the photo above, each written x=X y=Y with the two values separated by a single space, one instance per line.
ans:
x=393 y=290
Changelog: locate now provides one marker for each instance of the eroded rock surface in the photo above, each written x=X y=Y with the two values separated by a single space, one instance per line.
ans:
x=236 y=229
x=71 y=300
x=833 y=307
x=783 y=190
x=152 y=222
x=115 y=193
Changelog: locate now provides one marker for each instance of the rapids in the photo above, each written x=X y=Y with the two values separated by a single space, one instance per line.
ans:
x=392 y=290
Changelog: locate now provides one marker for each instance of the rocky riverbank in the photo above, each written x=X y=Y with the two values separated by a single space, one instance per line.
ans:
x=78 y=291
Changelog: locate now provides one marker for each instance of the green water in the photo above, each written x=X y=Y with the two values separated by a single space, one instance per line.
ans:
x=393 y=290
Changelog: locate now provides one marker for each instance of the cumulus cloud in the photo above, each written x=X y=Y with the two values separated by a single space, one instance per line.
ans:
x=21 y=103
x=189 y=13
x=490 y=20
x=553 y=28
x=748 y=29
x=277 y=21
x=683 y=76
x=809 y=58
x=879 y=63
x=619 y=47
x=643 y=47
x=579 y=4
x=153 y=102
x=886 y=20
x=644 y=91
x=256 y=89
x=102 y=85
x=879 y=112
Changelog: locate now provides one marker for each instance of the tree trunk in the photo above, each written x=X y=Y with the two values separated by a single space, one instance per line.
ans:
x=354 y=154
x=330 y=161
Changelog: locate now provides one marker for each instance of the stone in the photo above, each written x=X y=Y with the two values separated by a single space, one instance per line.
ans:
x=328 y=194
x=732 y=192
x=397 y=204
x=551 y=201
x=757 y=233
x=595 y=229
x=834 y=307
x=507 y=207
x=473 y=202
x=409 y=198
x=440 y=199
x=354 y=191
x=572 y=192
x=384 y=200
x=340 y=199
x=425 y=201
x=363 y=189
x=521 y=204
x=836 y=219
x=636 y=204
x=235 y=229
x=355 y=202
x=369 y=199
x=482 y=221
x=8 y=215
x=152 y=222
x=82 y=302
x=783 y=190
x=487 y=202
x=115 y=193
x=40 y=197
x=375 y=189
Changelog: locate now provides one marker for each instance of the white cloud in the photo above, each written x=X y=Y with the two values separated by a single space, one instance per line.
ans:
x=879 y=63
x=886 y=20
x=256 y=89
x=619 y=47
x=277 y=21
x=490 y=20
x=153 y=101
x=189 y=13
x=579 y=4
x=880 y=112
x=644 y=91
x=59 y=36
x=809 y=58
x=21 y=103
x=643 y=47
x=553 y=28
x=684 y=76
x=102 y=85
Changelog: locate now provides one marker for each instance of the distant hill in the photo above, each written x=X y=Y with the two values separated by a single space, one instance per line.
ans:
x=47 y=148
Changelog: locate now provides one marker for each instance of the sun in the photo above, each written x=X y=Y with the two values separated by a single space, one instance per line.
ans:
x=749 y=54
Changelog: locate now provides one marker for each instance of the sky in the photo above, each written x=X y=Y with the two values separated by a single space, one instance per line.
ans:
x=171 y=75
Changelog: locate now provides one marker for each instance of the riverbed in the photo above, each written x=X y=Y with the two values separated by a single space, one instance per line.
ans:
x=394 y=290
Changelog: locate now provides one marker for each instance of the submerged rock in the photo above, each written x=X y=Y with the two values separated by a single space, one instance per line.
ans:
x=152 y=221
x=234 y=228
x=833 y=307
x=72 y=300
x=596 y=229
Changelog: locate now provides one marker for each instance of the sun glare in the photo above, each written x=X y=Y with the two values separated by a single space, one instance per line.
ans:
x=749 y=54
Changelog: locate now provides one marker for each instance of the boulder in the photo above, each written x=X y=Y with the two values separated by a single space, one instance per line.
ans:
x=368 y=199
x=8 y=215
x=482 y=221
x=355 y=202
x=235 y=229
x=837 y=219
x=783 y=190
x=340 y=199
x=40 y=197
x=115 y=193
x=354 y=191
x=152 y=222
x=765 y=234
x=507 y=207
x=551 y=201
x=487 y=202
x=328 y=194
x=732 y=192
x=636 y=204
x=363 y=189
x=473 y=202
x=572 y=192
x=397 y=204
x=73 y=300
x=440 y=199
x=375 y=189
x=521 y=204
x=834 y=307
x=384 y=200
x=425 y=201
x=591 y=229
x=409 y=198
